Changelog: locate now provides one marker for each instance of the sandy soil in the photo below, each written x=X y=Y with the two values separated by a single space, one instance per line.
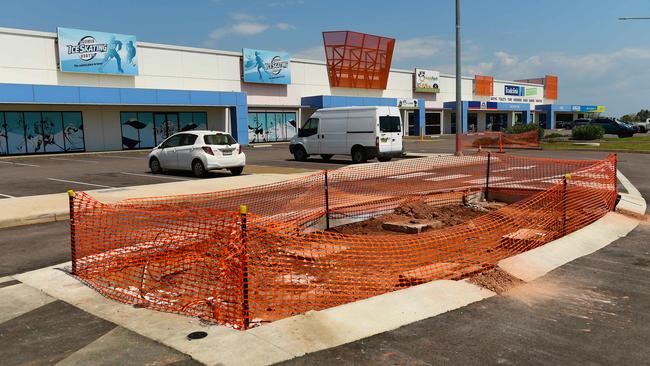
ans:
x=496 y=280
x=447 y=215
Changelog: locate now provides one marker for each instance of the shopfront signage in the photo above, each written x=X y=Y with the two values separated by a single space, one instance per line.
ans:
x=512 y=90
x=588 y=108
x=407 y=103
x=427 y=81
x=97 y=52
x=266 y=67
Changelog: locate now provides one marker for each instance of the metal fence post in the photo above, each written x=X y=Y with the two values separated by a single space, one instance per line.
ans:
x=564 y=204
x=487 y=176
x=243 y=211
x=327 y=203
x=73 y=236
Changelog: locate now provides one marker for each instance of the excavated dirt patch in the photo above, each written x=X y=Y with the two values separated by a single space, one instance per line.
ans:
x=418 y=210
x=496 y=280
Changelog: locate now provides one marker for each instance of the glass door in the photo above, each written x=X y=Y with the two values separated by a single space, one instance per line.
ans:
x=165 y=125
x=432 y=123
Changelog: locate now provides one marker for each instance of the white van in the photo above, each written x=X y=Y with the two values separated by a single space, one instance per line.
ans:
x=362 y=132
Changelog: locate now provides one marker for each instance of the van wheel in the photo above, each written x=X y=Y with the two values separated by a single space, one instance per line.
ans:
x=198 y=169
x=359 y=155
x=300 y=154
x=326 y=157
x=384 y=158
x=154 y=166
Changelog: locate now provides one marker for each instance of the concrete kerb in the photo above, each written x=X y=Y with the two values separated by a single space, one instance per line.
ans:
x=539 y=261
x=271 y=343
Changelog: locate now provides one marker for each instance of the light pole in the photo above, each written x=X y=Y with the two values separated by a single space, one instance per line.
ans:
x=459 y=102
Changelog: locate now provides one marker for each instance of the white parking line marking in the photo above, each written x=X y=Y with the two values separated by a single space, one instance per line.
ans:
x=22 y=164
x=482 y=180
x=6 y=196
x=76 y=160
x=155 y=176
x=120 y=157
x=448 y=177
x=525 y=167
x=411 y=175
x=75 y=182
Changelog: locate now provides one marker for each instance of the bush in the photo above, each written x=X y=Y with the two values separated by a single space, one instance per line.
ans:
x=526 y=128
x=553 y=135
x=587 y=132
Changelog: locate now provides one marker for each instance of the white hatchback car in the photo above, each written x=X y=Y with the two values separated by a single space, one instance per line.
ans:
x=198 y=151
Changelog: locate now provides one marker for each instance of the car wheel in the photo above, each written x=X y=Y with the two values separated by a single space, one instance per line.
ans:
x=237 y=170
x=359 y=155
x=384 y=158
x=154 y=166
x=300 y=154
x=326 y=157
x=198 y=169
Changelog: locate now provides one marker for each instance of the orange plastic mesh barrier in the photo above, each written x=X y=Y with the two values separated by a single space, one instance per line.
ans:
x=504 y=140
x=198 y=255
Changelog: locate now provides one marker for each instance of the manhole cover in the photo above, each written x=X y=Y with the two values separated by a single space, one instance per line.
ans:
x=196 y=335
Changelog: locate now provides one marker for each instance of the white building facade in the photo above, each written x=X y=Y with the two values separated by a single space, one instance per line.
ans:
x=179 y=88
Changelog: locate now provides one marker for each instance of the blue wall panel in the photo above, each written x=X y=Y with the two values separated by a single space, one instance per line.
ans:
x=205 y=98
x=49 y=94
x=89 y=95
x=16 y=93
x=138 y=96
x=173 y=97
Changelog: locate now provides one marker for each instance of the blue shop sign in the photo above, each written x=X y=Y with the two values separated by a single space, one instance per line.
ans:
x=513 y=90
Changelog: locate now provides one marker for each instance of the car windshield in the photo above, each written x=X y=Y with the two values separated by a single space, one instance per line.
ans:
x=219 y=139
x=389 y=124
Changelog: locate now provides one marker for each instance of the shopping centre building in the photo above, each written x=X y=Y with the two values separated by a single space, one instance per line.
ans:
x=78 y=90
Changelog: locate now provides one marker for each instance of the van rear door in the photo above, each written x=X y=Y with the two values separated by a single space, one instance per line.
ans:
x=390 y=133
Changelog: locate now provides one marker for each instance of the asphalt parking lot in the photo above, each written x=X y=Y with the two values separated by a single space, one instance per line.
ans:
x=45 y=174
x=35 y=175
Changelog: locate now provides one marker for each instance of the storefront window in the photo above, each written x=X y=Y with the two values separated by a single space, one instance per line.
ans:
x=40 y=132
x=148 y=129
x=271 y=126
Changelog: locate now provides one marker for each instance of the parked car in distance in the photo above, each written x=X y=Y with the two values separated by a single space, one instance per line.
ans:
x=580 y=122
x=199 y=152
x=643 y=126
x=613 y=126
x=361 y=132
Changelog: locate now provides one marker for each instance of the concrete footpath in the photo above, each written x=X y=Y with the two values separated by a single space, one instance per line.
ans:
x=54 y=207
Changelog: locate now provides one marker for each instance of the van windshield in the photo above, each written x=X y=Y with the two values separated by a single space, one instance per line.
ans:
x=219 y=139
x=389 y=124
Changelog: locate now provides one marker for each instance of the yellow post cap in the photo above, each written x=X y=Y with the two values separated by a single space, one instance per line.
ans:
x=70 y=192
x=568 y=176
x=243 y=209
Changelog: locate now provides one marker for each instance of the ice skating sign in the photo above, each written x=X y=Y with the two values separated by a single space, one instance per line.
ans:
x=97 y=52
x=268 y=67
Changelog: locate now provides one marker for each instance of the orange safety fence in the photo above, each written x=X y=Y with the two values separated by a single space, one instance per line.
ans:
x=500 y=140
x=198 y=255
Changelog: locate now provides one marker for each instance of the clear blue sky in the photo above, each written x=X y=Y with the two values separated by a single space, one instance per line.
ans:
x=599 y=59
